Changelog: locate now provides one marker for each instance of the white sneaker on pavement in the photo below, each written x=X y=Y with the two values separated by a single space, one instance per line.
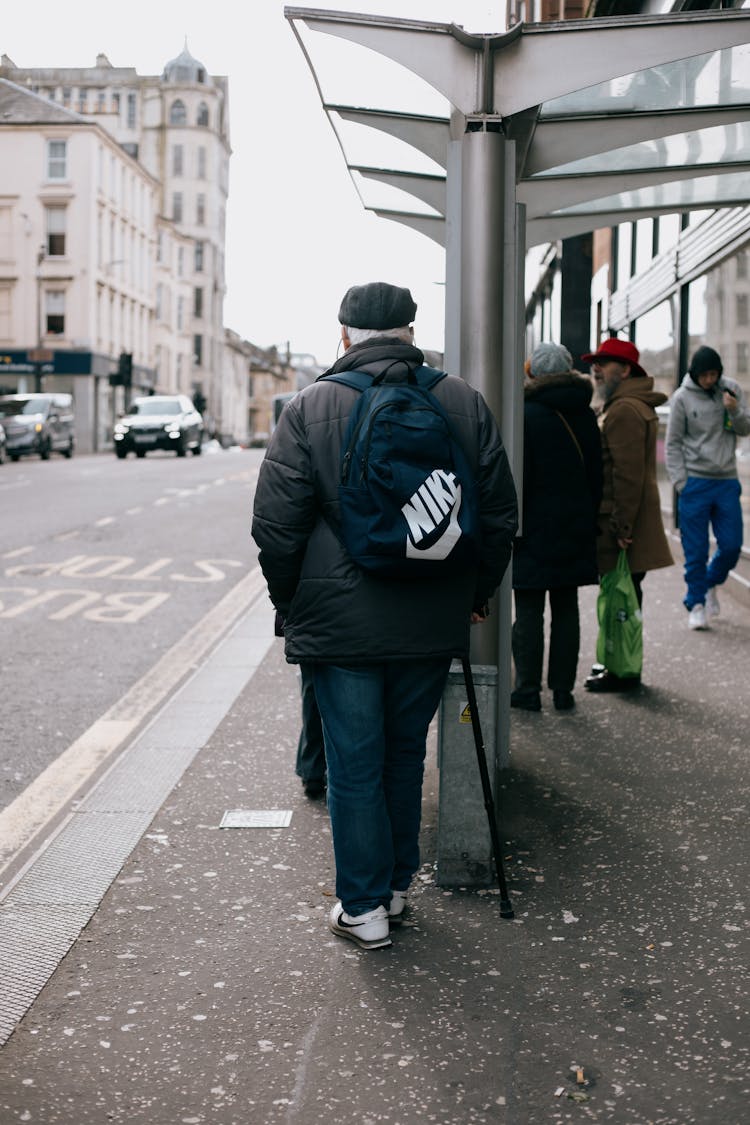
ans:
x=397 y=907
x=712 y=603
x=697 y=618
x=368 y=931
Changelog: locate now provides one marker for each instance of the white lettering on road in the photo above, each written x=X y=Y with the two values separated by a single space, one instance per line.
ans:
x=17 y=552
x=114 y=566
x=36 y=598
x=123 y=608
x=211 y=572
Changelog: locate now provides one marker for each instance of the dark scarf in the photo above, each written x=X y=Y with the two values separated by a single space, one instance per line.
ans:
x=379 y=354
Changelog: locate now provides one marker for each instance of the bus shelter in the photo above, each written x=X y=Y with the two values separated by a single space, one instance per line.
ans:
x=491 y=144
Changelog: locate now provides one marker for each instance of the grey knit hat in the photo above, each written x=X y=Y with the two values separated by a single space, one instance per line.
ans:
x=377 y=305
x=550 y=359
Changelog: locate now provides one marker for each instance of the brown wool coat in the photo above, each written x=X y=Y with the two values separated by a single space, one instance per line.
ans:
x=630 y=506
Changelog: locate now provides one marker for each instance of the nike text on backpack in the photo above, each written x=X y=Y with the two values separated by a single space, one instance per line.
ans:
x=407 y=495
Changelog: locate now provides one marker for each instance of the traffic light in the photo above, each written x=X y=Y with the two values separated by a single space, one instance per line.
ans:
x=123 y=377
x=125 y=368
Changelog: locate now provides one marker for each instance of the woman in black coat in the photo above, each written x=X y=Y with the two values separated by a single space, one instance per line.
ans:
x=556 y=551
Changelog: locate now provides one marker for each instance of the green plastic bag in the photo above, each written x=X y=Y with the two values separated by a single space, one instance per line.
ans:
x=619 y=646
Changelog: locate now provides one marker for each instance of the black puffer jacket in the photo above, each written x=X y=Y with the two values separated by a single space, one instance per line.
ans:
x=562 y=485
x=334 y=611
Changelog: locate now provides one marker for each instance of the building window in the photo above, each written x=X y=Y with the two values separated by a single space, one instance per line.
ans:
x=54 y=308
x=199 y=257
x=131 y=111
x=177 y=159
x=742 y=309
x=55 y=221
x=200 y=210
x=82 y=101
x=198 y=303
x=180 y=313
x=57 y=160
x=743 y=357
x=201 y=162
x=741 y=261
x=66 y=96
x=202 y=114
x=178 y=113
x=101 y=101
x=159 y=246
x=198 y=351
x=6 y=319
x=177 y=207
x=180 y=261
x=116 y=103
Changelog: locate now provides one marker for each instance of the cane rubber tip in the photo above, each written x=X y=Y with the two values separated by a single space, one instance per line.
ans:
x=506 y=910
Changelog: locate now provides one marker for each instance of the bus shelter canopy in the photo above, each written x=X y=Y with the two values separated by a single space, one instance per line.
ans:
x=612 y=118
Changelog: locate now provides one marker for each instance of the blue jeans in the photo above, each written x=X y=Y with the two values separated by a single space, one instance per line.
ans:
x=311 y=759
x=705 y=501
x=375 y=720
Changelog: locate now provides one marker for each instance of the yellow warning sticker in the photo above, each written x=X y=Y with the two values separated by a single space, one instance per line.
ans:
x=465 y=716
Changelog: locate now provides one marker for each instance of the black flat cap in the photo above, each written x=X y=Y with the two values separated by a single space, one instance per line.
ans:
x=377 y=305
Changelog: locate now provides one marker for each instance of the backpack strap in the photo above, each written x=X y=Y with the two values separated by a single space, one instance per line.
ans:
x=357 y=380
x=428 y=377
x=424 y=377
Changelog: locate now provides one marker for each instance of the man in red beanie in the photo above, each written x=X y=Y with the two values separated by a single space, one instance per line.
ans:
x=630 y=511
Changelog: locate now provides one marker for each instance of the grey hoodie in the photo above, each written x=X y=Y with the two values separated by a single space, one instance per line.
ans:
x=698 y=445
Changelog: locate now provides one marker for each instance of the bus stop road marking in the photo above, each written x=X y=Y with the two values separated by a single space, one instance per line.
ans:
x=34 y=810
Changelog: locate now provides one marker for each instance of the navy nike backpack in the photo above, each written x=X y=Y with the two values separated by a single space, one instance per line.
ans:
x=407 y=495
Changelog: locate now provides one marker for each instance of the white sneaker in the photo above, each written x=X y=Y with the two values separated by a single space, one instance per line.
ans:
x=369 y=931
x=397 y=907
x=712 y=603
x=697 y=618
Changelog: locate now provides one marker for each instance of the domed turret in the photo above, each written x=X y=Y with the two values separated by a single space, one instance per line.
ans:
x=185 y=69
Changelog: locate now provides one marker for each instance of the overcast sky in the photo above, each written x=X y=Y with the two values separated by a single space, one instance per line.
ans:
x=297 y=234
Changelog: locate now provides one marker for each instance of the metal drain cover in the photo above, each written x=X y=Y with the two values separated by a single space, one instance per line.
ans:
x=256 y=818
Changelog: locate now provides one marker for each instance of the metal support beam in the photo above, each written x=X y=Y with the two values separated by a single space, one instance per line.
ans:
x=430 y=189
x=483 y=213
x=429 y=135
x=548 y=194
x=548 y=60
x=560 y=141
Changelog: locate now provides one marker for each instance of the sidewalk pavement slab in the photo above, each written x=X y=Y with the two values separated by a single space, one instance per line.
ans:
x=207 y=987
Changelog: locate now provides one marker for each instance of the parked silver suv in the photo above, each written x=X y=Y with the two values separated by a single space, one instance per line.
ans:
x=38 y=423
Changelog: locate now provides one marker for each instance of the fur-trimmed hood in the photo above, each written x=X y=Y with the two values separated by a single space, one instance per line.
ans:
x=571 y=389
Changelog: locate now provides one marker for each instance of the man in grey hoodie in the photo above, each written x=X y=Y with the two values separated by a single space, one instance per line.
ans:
x=707 y=414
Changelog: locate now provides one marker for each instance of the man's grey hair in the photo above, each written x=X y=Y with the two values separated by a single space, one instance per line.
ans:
x=359 y=335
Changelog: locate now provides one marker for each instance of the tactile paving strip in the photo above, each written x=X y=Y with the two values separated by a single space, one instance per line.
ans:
x=45 y=911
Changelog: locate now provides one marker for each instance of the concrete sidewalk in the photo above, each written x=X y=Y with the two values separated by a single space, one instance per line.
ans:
x=207 y=988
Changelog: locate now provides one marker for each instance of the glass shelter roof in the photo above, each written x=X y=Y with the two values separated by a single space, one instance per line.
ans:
x=596 y=139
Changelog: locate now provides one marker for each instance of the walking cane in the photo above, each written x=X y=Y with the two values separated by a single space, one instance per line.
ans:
x=506 y=908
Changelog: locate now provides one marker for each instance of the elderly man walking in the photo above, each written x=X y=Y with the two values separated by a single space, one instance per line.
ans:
x=630 y=511
x=380 y=646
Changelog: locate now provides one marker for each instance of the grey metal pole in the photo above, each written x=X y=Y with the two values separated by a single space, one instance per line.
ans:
x=452 y=360
x=483 y=211
x=483 y=185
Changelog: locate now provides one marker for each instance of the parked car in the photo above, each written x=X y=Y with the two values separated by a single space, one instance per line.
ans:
x=3 y=454
x=159 y=422
x=38 y=423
